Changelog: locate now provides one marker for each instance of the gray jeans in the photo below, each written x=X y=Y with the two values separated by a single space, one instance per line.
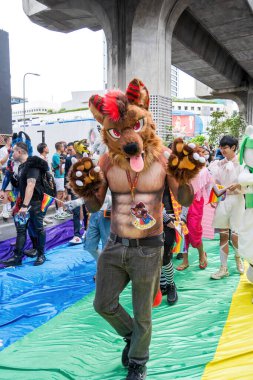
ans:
x=117 y=265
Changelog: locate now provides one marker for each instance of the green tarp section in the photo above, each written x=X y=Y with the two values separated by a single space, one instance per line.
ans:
x=79 y=344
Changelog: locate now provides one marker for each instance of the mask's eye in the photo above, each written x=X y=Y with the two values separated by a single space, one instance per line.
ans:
x=114 y=133
x=138 y=126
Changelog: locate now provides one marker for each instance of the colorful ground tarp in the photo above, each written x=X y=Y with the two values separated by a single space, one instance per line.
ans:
x=78 y=344
x=31 y=296
x=55 y=236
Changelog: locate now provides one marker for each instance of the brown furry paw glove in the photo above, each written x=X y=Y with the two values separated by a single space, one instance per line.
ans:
x=184 y=162
x=85 y=178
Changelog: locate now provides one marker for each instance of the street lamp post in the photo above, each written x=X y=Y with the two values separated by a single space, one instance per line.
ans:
x=37 y=75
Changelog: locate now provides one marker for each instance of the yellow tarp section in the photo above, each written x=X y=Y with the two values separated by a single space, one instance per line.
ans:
x=233 y=359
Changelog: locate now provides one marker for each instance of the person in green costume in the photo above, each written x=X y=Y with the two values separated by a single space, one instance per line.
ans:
x=245 y=179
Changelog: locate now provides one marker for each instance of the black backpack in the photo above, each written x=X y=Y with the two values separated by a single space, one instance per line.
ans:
x=48 y=184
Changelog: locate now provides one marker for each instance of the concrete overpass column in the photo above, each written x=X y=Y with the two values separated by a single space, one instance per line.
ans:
x=244 y=100
x=150 y=59
x=151 y=62
x=138 y=46
x=249 y=109
x=152 y=30
x=117 y=38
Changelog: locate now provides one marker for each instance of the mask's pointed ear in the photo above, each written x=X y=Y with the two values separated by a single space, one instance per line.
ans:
x=137 y=93
x=96 y=104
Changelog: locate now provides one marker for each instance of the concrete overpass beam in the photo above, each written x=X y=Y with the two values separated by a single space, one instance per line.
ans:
x=243 y=96
x=195 y=37
x=138 y=34
x=32 y=7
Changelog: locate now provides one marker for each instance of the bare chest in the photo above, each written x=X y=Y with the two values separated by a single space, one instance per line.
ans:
x=149 y=181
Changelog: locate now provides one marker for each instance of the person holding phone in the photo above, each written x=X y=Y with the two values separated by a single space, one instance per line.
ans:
x=27 y=210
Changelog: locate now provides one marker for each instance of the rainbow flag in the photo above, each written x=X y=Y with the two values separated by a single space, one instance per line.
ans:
x=180 y=246
x=46 y=202
x=12 y=196
x=217 y=194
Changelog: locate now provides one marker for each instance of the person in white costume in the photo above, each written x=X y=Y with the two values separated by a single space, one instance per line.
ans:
x=228 y=214
x=246 y=180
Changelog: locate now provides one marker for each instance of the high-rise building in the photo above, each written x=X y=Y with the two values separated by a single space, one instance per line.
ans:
x=174 y=82
x=5 y=84
x=160 y=107
x=104 y=63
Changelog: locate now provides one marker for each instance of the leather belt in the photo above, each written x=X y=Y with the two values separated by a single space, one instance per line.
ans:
x=153 y=241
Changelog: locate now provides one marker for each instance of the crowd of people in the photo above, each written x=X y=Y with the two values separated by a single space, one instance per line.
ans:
x=222 y=167
x=144 y=201
x=28 y=177
x=23 y=188
x=4 y=155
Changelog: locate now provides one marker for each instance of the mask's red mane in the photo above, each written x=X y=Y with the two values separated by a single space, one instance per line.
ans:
x=115 y=105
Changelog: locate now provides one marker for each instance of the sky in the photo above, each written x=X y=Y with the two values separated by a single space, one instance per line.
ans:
x=186 y=85
x=65 y=62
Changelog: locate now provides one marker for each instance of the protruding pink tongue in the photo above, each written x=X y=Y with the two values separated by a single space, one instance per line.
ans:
x=137 y=163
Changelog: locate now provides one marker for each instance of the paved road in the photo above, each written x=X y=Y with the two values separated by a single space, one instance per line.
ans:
x=7 y=229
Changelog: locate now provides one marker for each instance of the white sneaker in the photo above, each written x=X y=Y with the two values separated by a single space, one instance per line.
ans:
x=222 y=272
x=44 y=223
x=239 y=264
x=59 y=216
x=48 y=221
x=75 y=240
x=84 y=234
x=6 y=215
x=65 y=214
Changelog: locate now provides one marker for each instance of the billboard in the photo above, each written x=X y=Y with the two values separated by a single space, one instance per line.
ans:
x=183 y=125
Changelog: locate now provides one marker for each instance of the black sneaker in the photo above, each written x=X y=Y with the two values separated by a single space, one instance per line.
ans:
x=40 y=260
x=164 y=289
x=30 y=252
x=172 y=296
x=14 y=261
x=136 y=372
x=124 y=357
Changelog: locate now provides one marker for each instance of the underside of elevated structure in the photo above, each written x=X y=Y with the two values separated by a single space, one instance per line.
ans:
x=211 y=40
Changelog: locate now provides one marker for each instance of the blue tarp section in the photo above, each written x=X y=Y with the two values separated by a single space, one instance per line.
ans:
x=30 y=296
x=55 y=236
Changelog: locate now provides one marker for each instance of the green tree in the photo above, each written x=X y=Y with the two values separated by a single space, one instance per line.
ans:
x=200 y=139
x=221 y=125
x=168 y=136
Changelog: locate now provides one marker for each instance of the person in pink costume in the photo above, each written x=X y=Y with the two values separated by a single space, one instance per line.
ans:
x=202 y=184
